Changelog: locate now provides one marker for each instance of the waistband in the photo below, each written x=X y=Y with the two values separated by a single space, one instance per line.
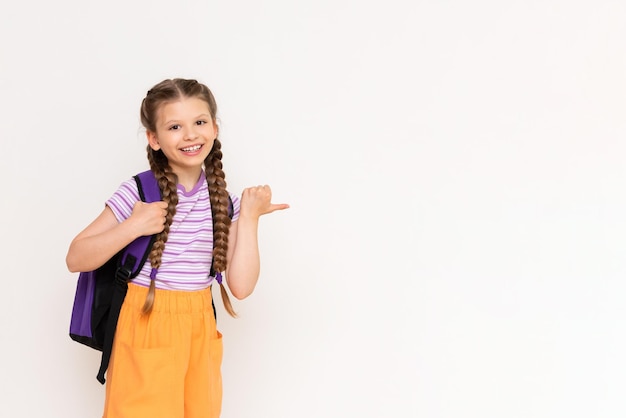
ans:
x=171 y=301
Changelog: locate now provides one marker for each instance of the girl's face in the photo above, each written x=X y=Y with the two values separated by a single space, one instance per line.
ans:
x=185 y=132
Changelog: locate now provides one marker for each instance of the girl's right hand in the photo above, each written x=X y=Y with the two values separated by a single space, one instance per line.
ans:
x=148 y=218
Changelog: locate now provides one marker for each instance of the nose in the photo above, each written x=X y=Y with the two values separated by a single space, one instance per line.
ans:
x=190 y=133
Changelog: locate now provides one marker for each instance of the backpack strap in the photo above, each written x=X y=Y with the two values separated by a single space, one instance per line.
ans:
x=130 y=263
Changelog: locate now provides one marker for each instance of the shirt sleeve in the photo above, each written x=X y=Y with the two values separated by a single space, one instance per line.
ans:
x=124 y=199
x=236 y=206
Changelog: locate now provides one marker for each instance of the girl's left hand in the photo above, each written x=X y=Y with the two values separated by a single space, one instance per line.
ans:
x=257 y=201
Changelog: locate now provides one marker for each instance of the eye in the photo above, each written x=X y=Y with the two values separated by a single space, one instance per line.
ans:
x=201 y=122
x=174 y=127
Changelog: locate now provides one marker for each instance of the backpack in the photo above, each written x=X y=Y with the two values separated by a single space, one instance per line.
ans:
x=101 y=292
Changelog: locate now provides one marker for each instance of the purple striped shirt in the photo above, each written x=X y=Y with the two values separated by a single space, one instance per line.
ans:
x=186 y=260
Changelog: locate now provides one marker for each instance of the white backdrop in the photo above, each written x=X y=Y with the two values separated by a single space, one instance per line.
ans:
x=455 y=170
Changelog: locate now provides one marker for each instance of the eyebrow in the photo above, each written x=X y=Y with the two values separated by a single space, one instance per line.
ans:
x=200 y=116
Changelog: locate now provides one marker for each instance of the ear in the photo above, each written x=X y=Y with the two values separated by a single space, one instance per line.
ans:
x=216 y=127
x=153 y=141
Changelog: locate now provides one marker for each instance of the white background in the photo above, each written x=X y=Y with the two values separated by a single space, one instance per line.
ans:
x=455 y=245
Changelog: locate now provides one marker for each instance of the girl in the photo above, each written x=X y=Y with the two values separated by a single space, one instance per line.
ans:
x=167 y=351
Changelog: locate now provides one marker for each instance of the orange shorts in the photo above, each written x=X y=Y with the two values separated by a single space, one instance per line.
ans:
x=167 y=364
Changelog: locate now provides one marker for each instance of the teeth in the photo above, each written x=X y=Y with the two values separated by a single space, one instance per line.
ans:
x=191 y=149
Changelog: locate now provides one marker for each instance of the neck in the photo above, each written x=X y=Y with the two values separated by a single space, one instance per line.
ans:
x=189 y=178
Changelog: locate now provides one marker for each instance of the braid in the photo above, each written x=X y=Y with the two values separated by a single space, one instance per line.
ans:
x=167 y=181
x=221 y=221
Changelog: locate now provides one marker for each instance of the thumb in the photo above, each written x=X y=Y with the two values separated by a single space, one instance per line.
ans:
x=278 y=206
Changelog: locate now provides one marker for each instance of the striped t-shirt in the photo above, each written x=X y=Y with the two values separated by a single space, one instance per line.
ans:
x=186 y=259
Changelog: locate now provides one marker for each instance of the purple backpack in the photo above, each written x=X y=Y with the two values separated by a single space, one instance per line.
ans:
x=100 y=293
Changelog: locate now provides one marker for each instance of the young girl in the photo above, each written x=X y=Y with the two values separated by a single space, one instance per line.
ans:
x=167 y=351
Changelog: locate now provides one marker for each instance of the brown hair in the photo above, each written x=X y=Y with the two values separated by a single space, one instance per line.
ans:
x=162 y=93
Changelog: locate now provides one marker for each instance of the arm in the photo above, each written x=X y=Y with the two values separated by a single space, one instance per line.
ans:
x=243 y=250
x=104 y=237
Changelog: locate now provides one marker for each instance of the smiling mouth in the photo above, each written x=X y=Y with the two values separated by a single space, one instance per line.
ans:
x=191 y=149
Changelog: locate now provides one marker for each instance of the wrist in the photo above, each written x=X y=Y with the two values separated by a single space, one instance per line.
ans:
x=131 y=229
x=248 y=217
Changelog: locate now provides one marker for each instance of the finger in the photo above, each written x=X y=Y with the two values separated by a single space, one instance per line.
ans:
x=278 y=206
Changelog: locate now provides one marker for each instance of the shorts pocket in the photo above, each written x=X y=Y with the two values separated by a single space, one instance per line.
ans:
x=216 y=350
x=145 y=383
